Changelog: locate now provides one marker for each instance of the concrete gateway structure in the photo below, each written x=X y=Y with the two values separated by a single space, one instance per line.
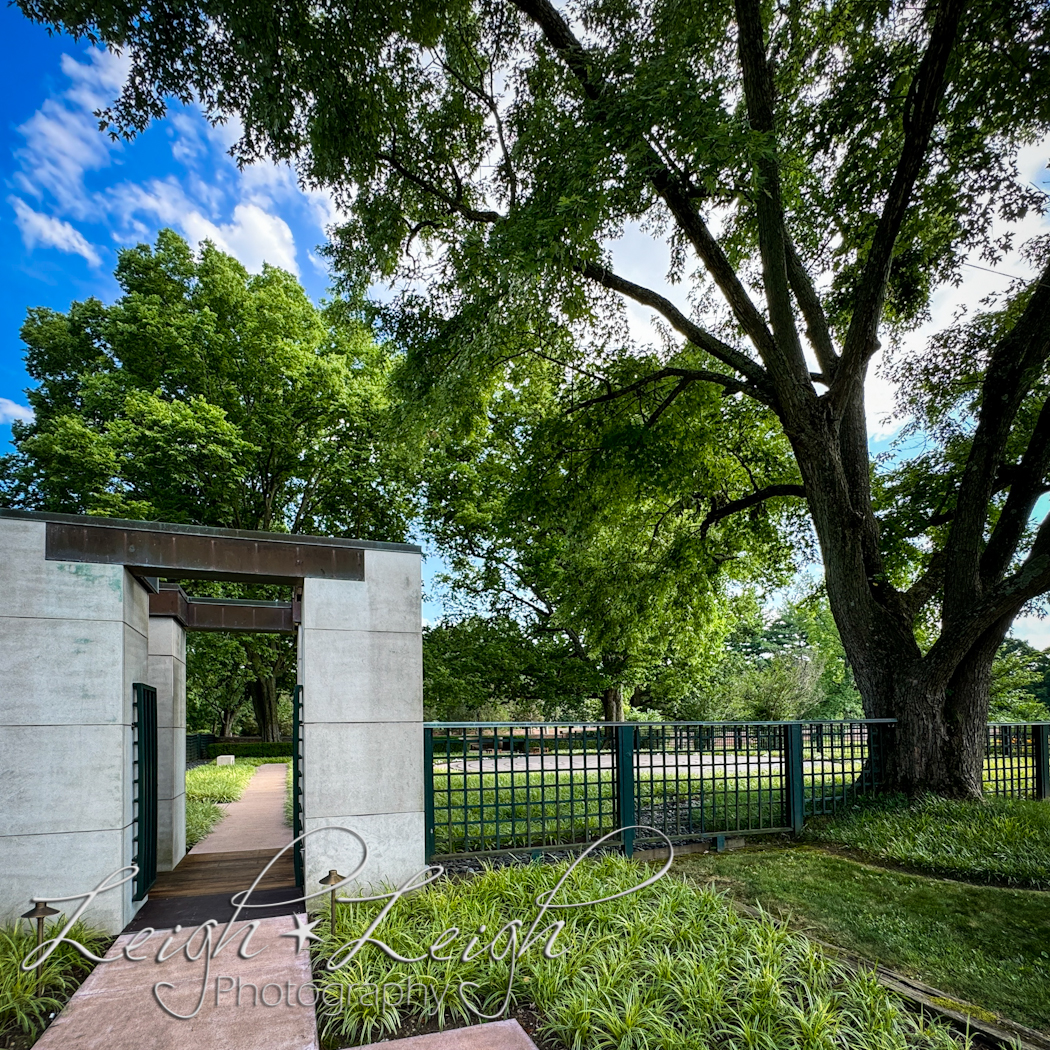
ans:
x=88 y=633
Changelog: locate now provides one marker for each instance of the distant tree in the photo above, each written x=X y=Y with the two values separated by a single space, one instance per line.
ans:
x=217 y=678
x=209 y=395
x=1020 y=681
x=491 y=667
x=545 y=519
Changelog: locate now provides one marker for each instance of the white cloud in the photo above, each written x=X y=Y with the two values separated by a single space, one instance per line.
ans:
x=63 y=143
x=1034 y=631
x=49 y=232
x=62 y=140
x=11 y=410
x=254 y=237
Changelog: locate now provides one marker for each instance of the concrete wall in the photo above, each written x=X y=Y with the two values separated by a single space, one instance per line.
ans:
x=361 y=668
x=73 y=639
x=167 y=673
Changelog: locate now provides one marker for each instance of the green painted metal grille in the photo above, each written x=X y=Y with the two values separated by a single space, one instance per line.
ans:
x=525 y=787
x=1016 y=762
x=528 y=786
x=502 y=786
x=297 y=785
x=144 y=786
x=842 y=760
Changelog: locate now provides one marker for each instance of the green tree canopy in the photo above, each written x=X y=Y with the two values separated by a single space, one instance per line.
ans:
x=212 y=396
x=600 y=531
x=815 y=171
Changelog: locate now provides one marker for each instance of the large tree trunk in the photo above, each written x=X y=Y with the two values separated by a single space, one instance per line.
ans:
x=939 y=699
x=612 y=704
x=263 y=692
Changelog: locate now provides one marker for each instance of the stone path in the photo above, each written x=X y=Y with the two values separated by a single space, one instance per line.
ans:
x=116 y=1008
x=119 y=1006
x=497 y=1035
x=255 y=822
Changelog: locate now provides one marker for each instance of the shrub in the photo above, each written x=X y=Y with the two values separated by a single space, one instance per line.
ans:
x=276 y=749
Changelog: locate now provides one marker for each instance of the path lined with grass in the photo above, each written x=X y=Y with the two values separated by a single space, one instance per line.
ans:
x=209 y=788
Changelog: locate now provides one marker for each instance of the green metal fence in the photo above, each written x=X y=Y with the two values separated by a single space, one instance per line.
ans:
x=531 y=786
x=1017 y=760
x=197 y=745
x=528 y=787
x=144 y=786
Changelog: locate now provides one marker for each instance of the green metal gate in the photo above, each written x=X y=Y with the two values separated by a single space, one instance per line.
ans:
x=297 y=784
x=144 y=786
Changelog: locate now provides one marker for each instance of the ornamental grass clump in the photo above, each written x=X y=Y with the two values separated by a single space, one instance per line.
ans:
x=995 y=840
x=670 y=967
x=22 y=1008
x=219 y=783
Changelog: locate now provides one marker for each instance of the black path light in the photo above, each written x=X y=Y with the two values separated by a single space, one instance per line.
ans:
x=40 y=913
x=333 y=878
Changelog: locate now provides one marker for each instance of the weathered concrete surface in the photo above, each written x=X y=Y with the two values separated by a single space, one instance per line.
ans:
x=116 y=1008
x=256 y=821
x=167 y=674
x=361 y=668
x=73 y=639
x=496 y=1035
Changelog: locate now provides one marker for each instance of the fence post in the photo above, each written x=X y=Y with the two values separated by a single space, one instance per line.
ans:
x=1041 y=756
x=428 y=791
x=794 y=798
x=625 y=784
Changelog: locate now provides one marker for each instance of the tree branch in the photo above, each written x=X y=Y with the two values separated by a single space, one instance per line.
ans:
x=788 y=363
x=752 y=500
x=1025 y=490
x=691 y=375
x=817 y=330
x=698 y=336
x=1015 y=363
x=677 y=196
x=920 y=115
x=454 y=203
x=926 y=586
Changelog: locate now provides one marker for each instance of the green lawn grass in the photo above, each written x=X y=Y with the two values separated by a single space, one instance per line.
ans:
x=672 y=967
x=504 y=810
x=996 y=840
x=985 y=945
x=475 y=811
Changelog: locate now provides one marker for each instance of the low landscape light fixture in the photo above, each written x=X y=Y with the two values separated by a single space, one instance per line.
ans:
x=333 y=878
x=40 y=912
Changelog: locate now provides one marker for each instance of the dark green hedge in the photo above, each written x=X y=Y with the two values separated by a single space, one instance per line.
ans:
x=255 y=750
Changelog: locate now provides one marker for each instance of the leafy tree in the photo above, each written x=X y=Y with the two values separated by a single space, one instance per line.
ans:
x=544 y=521
x=217 y=679
x=790 y=668
x=1020 y=676
x=817 y=171
x=491 y=667
x=208 y=395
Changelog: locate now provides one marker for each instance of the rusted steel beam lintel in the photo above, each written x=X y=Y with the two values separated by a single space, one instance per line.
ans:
x=182 y=556
x=217 y=615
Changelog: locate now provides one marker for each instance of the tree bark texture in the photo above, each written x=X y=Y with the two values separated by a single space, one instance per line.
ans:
x=264 y=703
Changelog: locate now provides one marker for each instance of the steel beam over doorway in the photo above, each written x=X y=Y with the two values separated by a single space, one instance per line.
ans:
x=224 y=614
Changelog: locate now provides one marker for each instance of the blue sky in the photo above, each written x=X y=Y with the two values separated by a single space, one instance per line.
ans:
x=71 y=197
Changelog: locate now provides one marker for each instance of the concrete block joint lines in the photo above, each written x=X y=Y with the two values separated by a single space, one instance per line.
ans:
x=76 y=635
